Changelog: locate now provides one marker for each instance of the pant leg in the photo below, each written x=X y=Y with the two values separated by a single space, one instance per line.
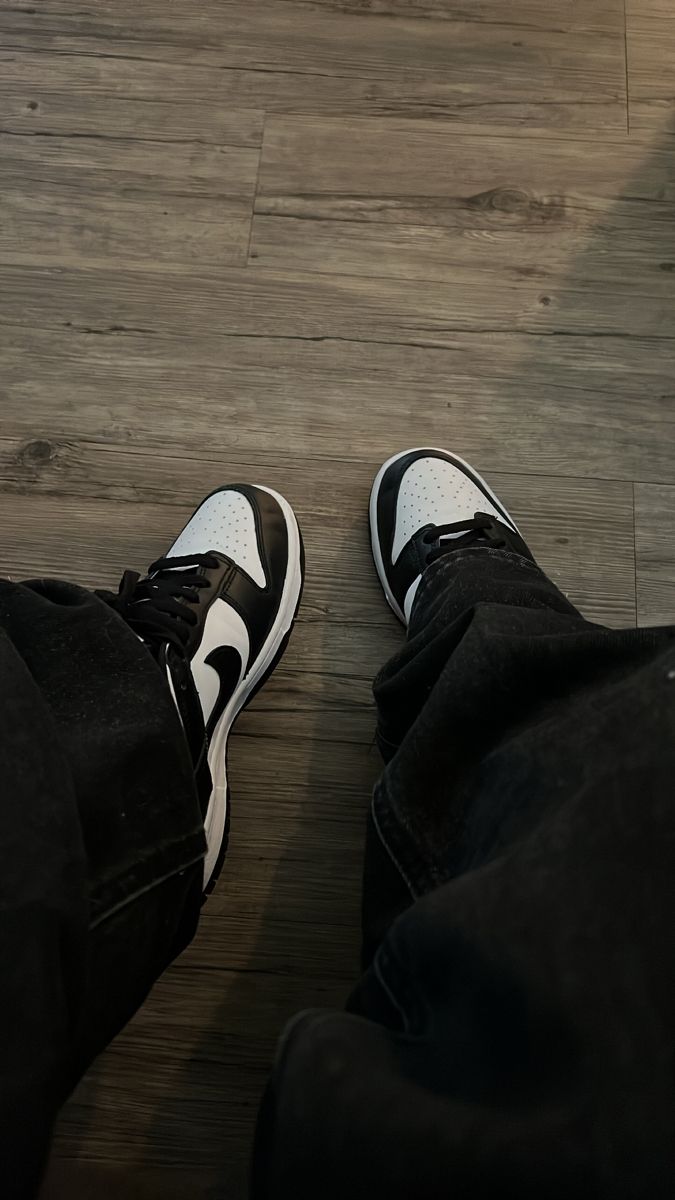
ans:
x=101 y=844
x=513 y=1033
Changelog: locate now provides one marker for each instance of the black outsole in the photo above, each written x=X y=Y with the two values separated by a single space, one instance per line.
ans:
x=222 y=855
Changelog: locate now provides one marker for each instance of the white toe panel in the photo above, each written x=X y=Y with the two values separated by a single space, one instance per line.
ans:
x=434 y=492
x=224 y=522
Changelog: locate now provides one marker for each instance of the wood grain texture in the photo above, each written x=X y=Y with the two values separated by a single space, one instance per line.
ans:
x=655 y=554
x=650 y=43
x=476 y=69
x=567 y=16
x=587 y=232
x=31 y=104
x=277 y=240
x=93 y=199
x=92 y=176
x=281 y=360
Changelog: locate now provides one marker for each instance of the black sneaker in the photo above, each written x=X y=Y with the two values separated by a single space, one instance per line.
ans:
x=217 y=612
x=424 y=503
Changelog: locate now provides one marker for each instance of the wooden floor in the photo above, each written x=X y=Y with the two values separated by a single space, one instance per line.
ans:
x=278 y=240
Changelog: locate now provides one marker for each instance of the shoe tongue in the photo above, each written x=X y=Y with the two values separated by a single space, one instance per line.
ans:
x=470 y=527
x=182 y=569
x=451 y=537
x=474 y=526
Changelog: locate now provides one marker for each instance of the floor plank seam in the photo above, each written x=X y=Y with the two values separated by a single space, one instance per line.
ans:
x=247 y=258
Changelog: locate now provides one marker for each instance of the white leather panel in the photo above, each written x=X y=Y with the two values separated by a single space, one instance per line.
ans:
x=224 y=522
x=434 y=492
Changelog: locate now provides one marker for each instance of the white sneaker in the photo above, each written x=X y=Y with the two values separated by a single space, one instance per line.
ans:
x=217 y=612
x=424 y=503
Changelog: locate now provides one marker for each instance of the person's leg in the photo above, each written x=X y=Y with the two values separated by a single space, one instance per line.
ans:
x=513 y=1031
x=113 y=760
x=101 y=848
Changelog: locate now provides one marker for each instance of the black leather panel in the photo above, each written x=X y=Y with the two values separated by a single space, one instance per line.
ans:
x=227 y=662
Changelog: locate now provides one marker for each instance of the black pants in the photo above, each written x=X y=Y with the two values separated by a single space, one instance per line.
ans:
x=514 y=1030
x=101 y=850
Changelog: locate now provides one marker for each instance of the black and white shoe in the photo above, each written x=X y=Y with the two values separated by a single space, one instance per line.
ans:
x=424 y=503
x=217 y=612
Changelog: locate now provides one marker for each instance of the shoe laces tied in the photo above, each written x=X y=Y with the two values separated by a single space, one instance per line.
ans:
x=158 y=606
x=481 y=529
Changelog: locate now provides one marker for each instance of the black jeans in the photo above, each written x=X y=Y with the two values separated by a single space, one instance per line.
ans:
x=101 y=846
x=514 y=1029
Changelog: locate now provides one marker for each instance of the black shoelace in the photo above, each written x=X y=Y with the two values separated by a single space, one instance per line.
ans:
x=157 y=607
x=480 y=529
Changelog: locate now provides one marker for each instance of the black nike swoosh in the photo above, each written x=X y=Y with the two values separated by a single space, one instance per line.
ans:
x=228 y=663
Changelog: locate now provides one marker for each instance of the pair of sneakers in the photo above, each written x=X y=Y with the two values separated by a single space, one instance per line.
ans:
x=218 y=609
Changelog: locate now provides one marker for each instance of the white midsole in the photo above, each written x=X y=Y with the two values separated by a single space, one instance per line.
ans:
x=214 y=822
x=374 y=494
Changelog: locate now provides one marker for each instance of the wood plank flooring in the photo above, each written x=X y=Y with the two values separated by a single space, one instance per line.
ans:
x=655 y=553
x=277 y=240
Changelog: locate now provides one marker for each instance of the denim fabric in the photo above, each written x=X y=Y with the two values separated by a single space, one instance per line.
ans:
x=514 y=1031
x=101 y=846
